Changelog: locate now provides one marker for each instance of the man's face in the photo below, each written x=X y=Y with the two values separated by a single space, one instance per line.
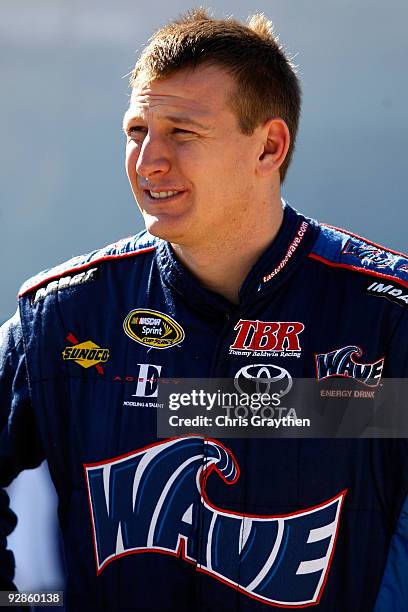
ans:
x=191 y=169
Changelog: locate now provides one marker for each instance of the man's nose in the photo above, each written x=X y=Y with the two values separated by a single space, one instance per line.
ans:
x=153 y=158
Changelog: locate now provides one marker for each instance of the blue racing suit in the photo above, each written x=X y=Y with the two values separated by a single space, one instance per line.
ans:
x=194 y=523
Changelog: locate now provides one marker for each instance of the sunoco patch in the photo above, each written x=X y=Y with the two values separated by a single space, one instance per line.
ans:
x=153 y=328
x=86 y=354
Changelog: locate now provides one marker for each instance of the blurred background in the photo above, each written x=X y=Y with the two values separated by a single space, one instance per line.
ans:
x=63 y=189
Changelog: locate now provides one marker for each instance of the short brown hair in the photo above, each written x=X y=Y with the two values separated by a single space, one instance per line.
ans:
x=266 y=82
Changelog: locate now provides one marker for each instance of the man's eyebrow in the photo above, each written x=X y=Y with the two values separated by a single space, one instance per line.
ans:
x=185 y=119
x=179 y=119
x=127 y=118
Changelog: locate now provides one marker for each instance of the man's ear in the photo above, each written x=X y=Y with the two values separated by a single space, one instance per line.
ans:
x=275 y=145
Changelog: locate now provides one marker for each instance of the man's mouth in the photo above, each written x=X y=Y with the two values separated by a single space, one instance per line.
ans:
x=159 y=195
x=162 y=195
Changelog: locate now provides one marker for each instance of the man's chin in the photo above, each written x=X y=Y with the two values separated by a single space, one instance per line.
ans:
x=167 y=229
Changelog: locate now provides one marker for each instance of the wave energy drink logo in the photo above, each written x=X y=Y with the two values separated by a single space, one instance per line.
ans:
x=343 y=363
x=153 y=328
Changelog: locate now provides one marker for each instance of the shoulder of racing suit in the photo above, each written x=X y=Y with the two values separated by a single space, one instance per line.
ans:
x=341 y=249
x=84 y=268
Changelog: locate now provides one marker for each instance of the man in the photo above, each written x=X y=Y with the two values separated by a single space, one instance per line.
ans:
x=228 y=281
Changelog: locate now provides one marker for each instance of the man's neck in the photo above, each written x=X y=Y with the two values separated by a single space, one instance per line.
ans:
x=223 y=265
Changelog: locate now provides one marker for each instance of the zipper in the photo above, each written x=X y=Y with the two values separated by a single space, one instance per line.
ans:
x=237 y=312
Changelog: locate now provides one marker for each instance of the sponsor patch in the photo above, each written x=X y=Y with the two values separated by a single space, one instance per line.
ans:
x=391 y=291
x=153 y=328
x=370 y=254
x=342 y=363
x=86 y=354
x=348 y=394
x=264 y=378
x=145 y=386
x=267 y=338
x=151 y=501
x=290 y=252
x=404 y=267
x=65 y=282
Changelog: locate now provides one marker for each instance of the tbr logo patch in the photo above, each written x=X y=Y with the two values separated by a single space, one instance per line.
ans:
x=370 y=254
x=155 y=501
x=153 y=328
x=64 y=283
x=392 y=292
x=341 y=363
x=267 y=338
x=86 y=354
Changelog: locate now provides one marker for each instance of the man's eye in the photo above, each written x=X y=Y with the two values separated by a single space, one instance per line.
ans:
x=136 y=131
x=181 y=131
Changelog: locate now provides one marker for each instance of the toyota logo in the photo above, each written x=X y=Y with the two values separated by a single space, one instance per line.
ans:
x=267 y=378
